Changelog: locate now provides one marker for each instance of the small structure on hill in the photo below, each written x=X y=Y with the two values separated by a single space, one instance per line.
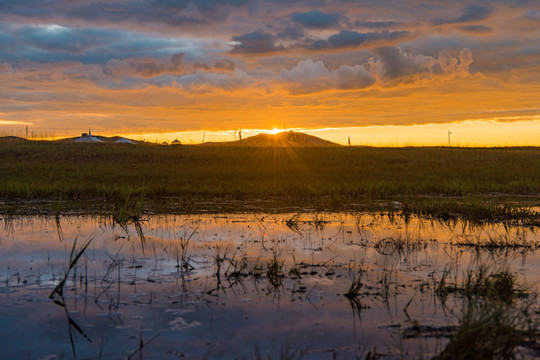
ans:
x=124 y=141
x=176 y=142
x=87 y=138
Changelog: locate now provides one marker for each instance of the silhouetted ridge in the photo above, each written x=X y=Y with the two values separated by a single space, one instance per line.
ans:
x=286 y=138
x=12 y=138
x=101 y=139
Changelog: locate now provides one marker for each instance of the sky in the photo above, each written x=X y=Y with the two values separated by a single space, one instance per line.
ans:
x=381 y=72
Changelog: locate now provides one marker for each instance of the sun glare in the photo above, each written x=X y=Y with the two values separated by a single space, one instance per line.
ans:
x=275 y=131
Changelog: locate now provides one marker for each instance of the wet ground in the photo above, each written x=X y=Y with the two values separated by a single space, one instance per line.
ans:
x=229 y=286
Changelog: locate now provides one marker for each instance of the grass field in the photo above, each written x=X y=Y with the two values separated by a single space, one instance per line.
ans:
x=113 y=172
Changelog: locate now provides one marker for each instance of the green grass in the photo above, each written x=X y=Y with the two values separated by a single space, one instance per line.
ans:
x=112 y=172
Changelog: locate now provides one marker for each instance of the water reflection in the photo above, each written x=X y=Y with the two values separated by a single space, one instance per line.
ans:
x=310 y=285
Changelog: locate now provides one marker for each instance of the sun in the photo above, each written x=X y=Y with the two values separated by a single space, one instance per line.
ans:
x=275 y=131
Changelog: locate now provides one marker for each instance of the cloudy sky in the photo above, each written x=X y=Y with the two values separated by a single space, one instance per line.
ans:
x=163 y=66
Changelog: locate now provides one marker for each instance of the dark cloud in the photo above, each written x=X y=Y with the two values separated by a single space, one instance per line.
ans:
x=402 y=66
x=317 y=19
x=377 y=24
x=195 y=16
x=179 y=13
x=353 y=77
x=260 y=42
x=310 y=76
x=472 y=13
x=256 y=42
x=54 y=38
x=136 y=73
x=7 y=42
x=225 y=65
x=392 y=66
x=349 y=39
x=199 y=65
x=291 y=32
x=145 y=67
x=30 y=8
x=476 y=29
x=54 y=43
x=397 y=64
x=532 y=15
x=176 y=16
x=346 y=39
x=221 y=65
x=58 y=38
x=133 y=13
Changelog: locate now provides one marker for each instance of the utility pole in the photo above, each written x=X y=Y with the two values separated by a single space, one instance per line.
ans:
x=449 y=133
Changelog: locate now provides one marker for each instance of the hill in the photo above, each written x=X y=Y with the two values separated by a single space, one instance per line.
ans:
x=100 y=139
x=282 y=139
x=12 y=138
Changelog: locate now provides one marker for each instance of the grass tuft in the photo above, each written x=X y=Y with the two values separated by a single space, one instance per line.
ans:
x=128 y=210
x=495 y=317
x=274 y=272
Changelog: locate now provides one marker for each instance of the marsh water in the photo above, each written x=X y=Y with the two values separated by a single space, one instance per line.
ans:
x=231 y=286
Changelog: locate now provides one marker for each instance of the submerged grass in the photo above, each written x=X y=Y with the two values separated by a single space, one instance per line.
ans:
x=473 y=209
x=488 y=330
x=274 y=272
x=498 y=243
x=340 y=175
x=495 y=317
x=74 y=257
x=497 y=285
